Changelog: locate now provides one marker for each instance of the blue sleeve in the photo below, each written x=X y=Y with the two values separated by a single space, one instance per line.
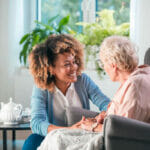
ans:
x=95 y=94
x=39 y=117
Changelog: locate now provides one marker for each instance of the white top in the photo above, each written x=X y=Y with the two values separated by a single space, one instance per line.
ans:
x=62 y=101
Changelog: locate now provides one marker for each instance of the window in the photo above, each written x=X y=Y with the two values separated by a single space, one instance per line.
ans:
x=121 y=8
x=51 y=8
x=82 y=10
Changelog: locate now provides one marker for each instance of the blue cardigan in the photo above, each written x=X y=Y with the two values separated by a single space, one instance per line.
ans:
x=42 y=103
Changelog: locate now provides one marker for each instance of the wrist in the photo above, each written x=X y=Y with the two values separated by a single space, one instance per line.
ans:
x=53 y=127
x=94 y=125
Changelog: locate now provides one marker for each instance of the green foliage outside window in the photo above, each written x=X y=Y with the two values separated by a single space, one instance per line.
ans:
x=94 y=33
x=62 y=8
x=121 y=9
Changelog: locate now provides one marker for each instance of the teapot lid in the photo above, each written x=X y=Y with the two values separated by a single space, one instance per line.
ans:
x=10 y=105
x=10 y=100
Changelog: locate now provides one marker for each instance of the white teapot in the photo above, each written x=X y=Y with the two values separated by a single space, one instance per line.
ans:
x=10 y=113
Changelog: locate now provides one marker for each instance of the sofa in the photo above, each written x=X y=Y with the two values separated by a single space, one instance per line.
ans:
x=119 y=133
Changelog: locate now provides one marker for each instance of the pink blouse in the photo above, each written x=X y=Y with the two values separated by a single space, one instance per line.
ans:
x=132 y=99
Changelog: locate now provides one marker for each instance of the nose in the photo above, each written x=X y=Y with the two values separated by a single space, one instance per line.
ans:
x=74 y=66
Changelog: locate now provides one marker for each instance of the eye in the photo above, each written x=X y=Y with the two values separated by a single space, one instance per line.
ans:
x=67 y=64
x=74 y=62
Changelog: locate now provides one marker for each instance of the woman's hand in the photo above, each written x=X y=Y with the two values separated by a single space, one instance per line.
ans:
x=100 y=117
x=75 y=126
x=89 y=124
x=78 y=124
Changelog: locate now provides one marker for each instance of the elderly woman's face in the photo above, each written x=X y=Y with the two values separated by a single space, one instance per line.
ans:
x=65 y=69
x=110 y=69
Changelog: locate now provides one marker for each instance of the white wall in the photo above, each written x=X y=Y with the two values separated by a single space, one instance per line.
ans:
x=16 y=20
x=140 y=25
x=4 y=85
x=14 y=23
x=5 y=77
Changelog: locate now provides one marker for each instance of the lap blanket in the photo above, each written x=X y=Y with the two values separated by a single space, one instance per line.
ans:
x=75 y=139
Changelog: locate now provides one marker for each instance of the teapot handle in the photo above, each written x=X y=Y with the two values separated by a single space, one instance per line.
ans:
x=18 y=110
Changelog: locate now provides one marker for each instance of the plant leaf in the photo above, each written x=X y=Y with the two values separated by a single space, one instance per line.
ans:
x=52 y=19
x=23 y=52
x=44 y=25
x=24 y=38
x=63 y=22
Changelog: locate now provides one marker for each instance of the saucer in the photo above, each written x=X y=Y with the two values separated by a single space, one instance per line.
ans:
x=11 y=123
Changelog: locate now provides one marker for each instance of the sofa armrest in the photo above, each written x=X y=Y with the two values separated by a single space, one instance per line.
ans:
x=125 y=134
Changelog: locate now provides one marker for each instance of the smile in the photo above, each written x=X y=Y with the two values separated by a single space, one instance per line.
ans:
x=72 y=75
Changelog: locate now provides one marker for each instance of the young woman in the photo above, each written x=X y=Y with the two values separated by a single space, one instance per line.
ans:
x=56 y=66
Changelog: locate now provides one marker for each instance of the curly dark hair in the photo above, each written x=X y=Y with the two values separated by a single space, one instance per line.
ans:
x=45 y=54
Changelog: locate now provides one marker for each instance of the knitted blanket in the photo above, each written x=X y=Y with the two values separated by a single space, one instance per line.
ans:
x=76 y=139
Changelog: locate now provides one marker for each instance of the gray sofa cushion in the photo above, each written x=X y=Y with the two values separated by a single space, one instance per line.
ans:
x=74 y=114
x=126 y=134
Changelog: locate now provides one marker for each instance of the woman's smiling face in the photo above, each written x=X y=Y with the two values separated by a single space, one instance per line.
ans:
x=65 y=69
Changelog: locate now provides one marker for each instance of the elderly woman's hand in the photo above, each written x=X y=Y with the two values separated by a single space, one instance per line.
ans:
x=89 y=124
x=100 y=117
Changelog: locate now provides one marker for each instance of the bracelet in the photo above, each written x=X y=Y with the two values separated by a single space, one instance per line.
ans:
x=94 y=125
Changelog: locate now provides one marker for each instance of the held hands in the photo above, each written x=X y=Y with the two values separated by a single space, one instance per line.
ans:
x=91 y=124
x=86 y=123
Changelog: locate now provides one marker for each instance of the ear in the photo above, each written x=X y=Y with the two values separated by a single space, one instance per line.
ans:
x=114 y=66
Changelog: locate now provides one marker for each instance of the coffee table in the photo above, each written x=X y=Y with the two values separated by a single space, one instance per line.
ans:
x=13 y=128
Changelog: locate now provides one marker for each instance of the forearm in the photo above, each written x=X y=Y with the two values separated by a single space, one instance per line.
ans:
x=98 y=128
x=39 y=127
x=54 y=127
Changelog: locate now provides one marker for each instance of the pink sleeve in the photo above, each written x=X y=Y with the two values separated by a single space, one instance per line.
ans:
x=126 y=103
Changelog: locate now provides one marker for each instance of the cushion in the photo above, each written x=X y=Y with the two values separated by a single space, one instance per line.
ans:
x=74 y=114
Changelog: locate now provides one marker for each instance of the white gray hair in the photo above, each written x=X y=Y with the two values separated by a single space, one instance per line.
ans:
x=121 y=51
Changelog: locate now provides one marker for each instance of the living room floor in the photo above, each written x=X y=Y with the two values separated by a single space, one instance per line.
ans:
x=20 y=138
x=10 y=146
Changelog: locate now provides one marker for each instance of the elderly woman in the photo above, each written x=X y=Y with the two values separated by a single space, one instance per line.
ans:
x=120 y=61
x=132 y=98
x=56 y=66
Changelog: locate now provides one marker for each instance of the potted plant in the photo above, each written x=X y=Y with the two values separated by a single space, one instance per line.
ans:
x=40 y=33
x=94 y=33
